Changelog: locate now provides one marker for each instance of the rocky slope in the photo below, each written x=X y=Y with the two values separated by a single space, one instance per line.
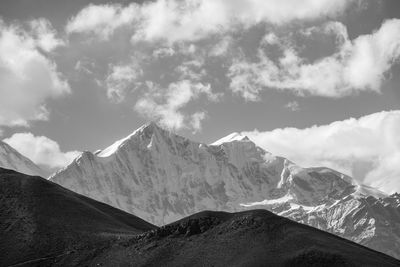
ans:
x=41 y=221
x=12 y=159
x=250 y=238
x=162 y=177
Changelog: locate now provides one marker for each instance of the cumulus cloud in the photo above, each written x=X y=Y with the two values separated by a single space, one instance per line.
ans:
x=27 y=76
x=192 y=69
x=367 y=148
x=176 y=20
x=121 y=80
x=41 y=150
x=196 y=120
x=166 y=105
x=45 y=35
x=358 y=65
x=101 y=20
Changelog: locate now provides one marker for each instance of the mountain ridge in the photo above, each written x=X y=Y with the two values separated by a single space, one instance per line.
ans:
x=10 y=158
x=44 y=224
x=162 y=177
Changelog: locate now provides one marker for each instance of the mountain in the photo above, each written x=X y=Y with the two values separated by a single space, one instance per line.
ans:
x=250 y=238
x=12 y=159
x=162 y=177
x=40 y=220
x=44 y=224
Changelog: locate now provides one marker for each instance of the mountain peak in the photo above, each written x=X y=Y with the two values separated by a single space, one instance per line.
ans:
x=149 y=128
x=230 y=138
x=12 y=159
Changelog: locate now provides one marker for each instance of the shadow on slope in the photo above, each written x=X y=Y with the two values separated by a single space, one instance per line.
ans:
x=250 y=238
x=40 y=219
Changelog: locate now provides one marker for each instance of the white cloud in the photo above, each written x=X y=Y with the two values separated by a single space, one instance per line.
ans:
x=192 y=69
x=41 y=150
x=102 y=20
x=367 y=148
x=358 y=65
x=373 y=55
x=270 y=39
x=27 y=77
x=166 y=105
x=163 y=52
x=121 y=80
x=293 y=106
x=196 y=120
x=176 y=20
x=45 y=35
x=222 y=47
x=85 y=66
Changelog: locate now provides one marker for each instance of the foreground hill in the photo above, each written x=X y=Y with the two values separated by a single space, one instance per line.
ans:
x=163 y=177
x=251 y=238
x=41 y=220
x=43 y=224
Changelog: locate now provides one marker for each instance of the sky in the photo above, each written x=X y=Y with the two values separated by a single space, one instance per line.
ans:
x=316 y=81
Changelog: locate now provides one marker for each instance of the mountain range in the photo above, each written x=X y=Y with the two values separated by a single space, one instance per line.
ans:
x=162 y=177
x=44 y=224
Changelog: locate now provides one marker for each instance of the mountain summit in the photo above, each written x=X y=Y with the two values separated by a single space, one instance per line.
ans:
x=230 y=138
x=161 y=177
x=12 y=159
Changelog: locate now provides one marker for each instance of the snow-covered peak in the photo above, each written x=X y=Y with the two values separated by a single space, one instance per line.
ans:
x=365 y=191
x=148 y=128
x=230 y=138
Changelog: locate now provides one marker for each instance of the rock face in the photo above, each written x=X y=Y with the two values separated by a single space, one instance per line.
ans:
x=162 y=177
x=249 y=238
x=369 y=221
x=12 y=159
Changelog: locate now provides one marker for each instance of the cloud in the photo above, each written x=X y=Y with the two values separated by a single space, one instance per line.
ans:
x=358 y=65
x=192 y=69
x=222 y=47
x=166 y=105
x=163 y=52
x=373 y=55
x=41 y=150
x=293 y=106
x=27 y=76
x=196 y=120
x=121 y=80
x=85 y=66
x=45 y=35
x=175 y=20
x=101 y=20
x=367 y=148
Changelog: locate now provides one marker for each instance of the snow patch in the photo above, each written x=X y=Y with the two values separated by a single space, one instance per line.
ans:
x=275 y=201
x=230 y=138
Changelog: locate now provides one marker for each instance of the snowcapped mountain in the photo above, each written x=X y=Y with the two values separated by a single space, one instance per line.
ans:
x=12 y=159
x=161 y=177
